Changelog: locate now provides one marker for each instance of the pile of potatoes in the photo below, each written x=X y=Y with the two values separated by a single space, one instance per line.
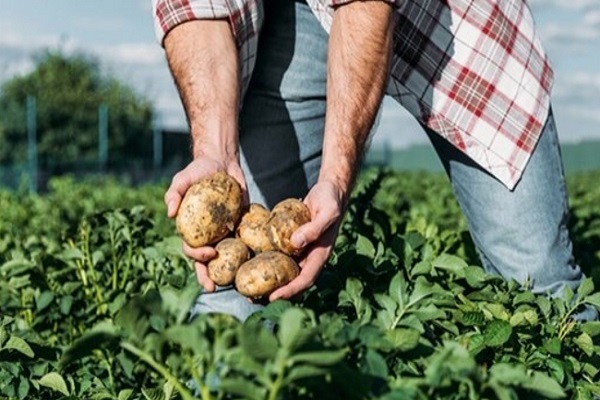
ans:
x=253 y=244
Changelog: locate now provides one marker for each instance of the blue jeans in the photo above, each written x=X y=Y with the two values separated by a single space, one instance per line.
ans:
x=520 y=234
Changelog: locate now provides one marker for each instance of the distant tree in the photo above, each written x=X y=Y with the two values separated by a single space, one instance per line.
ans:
x=69 y=90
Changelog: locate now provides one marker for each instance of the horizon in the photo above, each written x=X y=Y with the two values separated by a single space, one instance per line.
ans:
x=121 y=36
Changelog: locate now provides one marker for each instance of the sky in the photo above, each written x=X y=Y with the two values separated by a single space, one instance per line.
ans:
x=120 y=34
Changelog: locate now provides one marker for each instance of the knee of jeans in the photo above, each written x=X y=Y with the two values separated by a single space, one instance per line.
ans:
x=538 y=260
x=226 y=301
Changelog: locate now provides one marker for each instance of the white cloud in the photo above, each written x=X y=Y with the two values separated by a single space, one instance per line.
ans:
x=571 y=4
x=133 y=53
x=568 y=34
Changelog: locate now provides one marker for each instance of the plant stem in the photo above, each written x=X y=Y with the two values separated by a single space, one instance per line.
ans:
x=161 y=369
x=274 y=392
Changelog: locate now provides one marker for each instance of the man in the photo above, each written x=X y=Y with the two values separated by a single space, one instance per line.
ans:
x=297 y=85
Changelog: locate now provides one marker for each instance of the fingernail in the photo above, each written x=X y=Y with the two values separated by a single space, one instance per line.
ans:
x=298 y=240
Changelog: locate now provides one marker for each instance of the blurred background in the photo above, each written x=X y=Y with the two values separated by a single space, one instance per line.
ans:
x=85 y=89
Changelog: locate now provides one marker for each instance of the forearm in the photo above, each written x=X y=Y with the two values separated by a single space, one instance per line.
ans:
x=204 y=62
x=358 y=63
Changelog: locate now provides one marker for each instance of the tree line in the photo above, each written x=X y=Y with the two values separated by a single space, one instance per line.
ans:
x=69 y=90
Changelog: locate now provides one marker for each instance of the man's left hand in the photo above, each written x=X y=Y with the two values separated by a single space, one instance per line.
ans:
x=326 y=204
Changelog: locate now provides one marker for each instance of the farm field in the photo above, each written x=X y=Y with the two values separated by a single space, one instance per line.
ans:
x=95 y=293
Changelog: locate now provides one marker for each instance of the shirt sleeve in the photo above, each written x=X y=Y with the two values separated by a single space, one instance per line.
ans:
x=335 y=3
x=170 y=13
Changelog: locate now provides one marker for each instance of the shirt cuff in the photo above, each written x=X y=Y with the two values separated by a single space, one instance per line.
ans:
x=336 y=3
x=170 y=13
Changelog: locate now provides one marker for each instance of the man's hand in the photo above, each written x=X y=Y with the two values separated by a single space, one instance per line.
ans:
x=203 y=59
x=181 y=182
x=358 y=65
x=326 y=204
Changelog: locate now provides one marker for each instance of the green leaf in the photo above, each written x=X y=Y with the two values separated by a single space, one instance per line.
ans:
x=99 y=338
x=557 y=369
x=471 y=318
x=421 y=268
x=592 y=328
x=55 y=382
x=125 y=394
x=399 y=290
x=243 y=388
x=553 y=346
x=452 y=264
x=323 y=358
x=497 y=333
x=476 y=343
x=586 y=288
x=544 y=305
x=16 y=267
x=375 y=365
x=257 y=342
x=23 y=389
x=585 y=343
x=525 y=297
x=303 y=372
x=44 y=300
x=291 y=329
x=403 y=339
x=18 y=344
x=544 y=385
x=66 y=303
x=593 y=300
x=429 y=312
x=475 y=276
x=365 y=247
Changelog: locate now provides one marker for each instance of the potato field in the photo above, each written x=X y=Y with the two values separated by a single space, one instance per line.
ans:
x=95 y=294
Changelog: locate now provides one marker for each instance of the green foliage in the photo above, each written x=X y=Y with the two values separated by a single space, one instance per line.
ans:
x=68 y=91
x=95 y=293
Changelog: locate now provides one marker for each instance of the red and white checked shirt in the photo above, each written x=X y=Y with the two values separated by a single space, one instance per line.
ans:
x=473 y=71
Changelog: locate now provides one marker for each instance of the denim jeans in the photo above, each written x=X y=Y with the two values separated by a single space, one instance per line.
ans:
x=520 y=234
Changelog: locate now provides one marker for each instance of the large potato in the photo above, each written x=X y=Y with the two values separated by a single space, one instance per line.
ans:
x=252 y=229
x=264 y=273
x=286 y=217
x=231 y=253
x=209 y=210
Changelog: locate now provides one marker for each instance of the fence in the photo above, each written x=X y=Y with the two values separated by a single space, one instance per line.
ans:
x=170 y=153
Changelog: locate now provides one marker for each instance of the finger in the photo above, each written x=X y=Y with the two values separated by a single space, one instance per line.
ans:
x=203 y=254
x=295 y=287
x=313 y=230
x=203 y=279
x=180 y=183
x=312 y=266
x=238 y=175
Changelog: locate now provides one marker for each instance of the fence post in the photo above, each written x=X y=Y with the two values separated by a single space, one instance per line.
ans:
x=102 y=136
x=157 y=144
x=32 y=144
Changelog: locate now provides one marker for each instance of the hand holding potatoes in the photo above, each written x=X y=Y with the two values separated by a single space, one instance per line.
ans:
x=210 y=213
x=209 y=210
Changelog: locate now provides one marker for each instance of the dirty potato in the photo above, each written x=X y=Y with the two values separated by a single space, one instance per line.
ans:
x=252 y=229
x=231 y=253
x=264 y=273
x=286 y=217
x=209 y=210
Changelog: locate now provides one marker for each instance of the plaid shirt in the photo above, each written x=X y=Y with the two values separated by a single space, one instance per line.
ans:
x=474 y=71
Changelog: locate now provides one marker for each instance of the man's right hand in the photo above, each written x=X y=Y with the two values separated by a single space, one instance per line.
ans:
x=181 y=182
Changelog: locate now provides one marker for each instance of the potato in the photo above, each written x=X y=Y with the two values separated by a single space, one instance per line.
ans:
x=231 y=253
x=209 y=210
x=264 y=273
x=286 y=217
x=252 y=229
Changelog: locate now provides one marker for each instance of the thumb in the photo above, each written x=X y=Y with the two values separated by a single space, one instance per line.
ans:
x=311 y=231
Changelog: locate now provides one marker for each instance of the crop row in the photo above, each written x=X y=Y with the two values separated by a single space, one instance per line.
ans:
x=95 y=293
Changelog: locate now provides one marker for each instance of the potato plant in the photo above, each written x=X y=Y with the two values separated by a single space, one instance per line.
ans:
x=95 y=293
